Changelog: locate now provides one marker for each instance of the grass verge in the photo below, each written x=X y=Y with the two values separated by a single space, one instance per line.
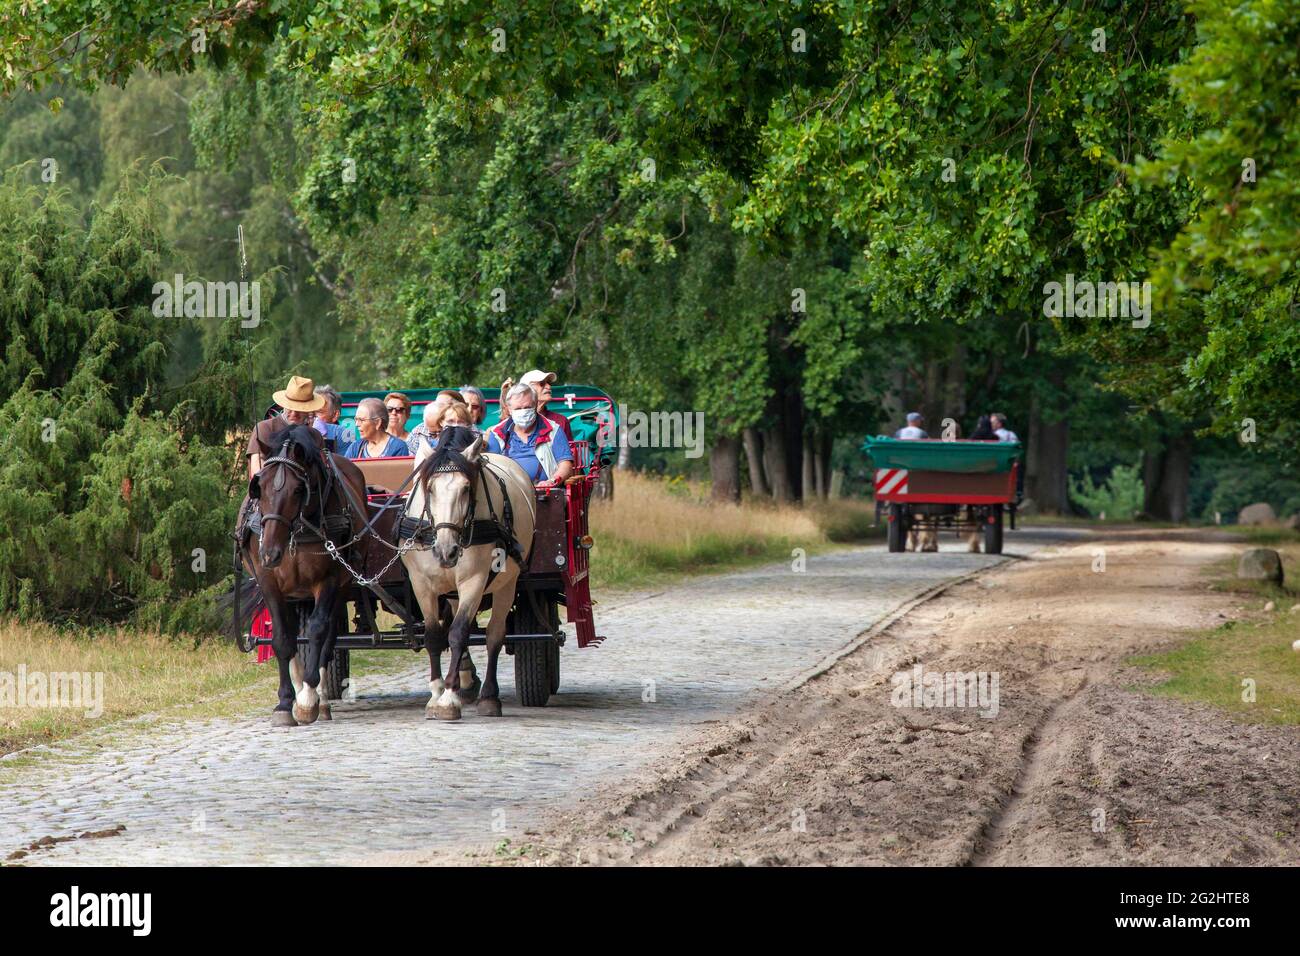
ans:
x=657 y=530
x=111 y=676
x=1212 y=667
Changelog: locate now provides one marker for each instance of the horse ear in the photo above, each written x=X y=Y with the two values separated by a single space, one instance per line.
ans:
x=473 y=450
x=255 y=486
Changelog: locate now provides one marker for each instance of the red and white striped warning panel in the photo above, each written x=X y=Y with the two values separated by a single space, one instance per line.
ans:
x=891 y=481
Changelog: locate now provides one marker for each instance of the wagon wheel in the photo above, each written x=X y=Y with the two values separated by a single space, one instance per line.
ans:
x=534 y=676
x=993 y=530
x=337 y=673
x=897 y=528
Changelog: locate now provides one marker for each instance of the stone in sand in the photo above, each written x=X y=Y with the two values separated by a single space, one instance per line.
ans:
x=1260 y=513
x=1260 y=564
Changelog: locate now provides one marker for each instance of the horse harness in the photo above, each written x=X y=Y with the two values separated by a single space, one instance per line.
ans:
x=496 y=530
x=333 y=528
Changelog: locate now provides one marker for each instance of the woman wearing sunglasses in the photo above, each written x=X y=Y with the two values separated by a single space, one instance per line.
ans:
x=397 y=412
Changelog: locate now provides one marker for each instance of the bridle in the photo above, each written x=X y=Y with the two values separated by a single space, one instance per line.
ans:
x=299 y=520
x=470 y=531
x=474 y=474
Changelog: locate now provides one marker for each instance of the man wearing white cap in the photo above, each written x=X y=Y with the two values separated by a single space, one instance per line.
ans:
x=299 y=403
x=541 y=383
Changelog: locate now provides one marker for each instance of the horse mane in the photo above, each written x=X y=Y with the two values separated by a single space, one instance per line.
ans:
x=446 y=455
x=300 y=437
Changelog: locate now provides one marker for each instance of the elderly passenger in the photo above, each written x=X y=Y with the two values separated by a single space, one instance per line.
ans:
x=539 y=447
x=425 y=433
x=397 y=412
x=327 y=419
x=541 y=383
x=374 y=441
x=456 y=413
x=299 y=403
x=477 y=406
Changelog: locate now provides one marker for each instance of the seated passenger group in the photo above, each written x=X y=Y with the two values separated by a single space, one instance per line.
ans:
x=537 y=439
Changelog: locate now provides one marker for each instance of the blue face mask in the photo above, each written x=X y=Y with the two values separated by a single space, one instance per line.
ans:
x=524 y=417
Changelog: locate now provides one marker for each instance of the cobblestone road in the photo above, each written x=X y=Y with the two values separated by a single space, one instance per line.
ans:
x=380 y=777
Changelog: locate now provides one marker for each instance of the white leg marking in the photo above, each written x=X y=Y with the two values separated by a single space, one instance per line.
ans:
x=295 y=673
x=449 y=699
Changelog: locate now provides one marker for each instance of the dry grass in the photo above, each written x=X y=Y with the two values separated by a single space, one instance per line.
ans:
x=138 y=673
x=142 y=674
x=655 y=529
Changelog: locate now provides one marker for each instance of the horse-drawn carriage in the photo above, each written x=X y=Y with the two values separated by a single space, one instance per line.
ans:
x=378 y=609
x=930 y=484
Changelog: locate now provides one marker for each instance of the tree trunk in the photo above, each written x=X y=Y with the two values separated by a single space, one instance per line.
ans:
x=893 y=405
x=754 y=454
x=724 y=468
x=828 y=445
x=792 y=423
x=819 y=466
x=808 y=471
x=1166 y=475
x=777 y=465
x=954 y=391
x=932 y=400
x=1046 y=480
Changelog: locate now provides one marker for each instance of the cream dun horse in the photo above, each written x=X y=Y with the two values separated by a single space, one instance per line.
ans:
x=476 y=513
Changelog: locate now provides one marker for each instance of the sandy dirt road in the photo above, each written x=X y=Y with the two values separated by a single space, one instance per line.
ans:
x=380 y=778
x=1079 y=766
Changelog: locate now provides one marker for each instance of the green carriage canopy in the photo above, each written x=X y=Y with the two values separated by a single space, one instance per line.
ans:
x=966 y=457
x=586 y=407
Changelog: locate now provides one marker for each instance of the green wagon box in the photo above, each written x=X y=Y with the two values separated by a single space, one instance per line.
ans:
x=960 y=484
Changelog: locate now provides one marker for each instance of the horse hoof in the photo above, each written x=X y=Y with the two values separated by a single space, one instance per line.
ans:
x=306 y=716
x=282 y=718
x=489 y=707
x=469 y=694
x=325 y=712
x=442 y=712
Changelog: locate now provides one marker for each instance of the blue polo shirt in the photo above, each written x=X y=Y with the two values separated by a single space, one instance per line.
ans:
x=394 y=449
x=525 y=452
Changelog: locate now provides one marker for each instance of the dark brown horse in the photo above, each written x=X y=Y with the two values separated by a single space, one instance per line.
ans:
x=305 y=496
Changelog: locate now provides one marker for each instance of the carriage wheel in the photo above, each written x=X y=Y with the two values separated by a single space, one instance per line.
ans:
x=993 y=531
x=337 y=672
x=534 y=675
x=897 y=528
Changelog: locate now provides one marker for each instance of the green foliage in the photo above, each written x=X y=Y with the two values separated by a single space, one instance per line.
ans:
x=82 y=396
x=1119 y=498
x=1225 y=483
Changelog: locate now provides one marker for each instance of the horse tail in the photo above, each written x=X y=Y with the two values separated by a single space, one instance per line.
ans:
x=250 y=601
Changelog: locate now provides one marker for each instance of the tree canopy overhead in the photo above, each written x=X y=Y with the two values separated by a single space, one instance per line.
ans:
x=651 y=187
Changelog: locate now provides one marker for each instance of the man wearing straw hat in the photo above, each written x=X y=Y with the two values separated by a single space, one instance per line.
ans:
x=299 y=403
